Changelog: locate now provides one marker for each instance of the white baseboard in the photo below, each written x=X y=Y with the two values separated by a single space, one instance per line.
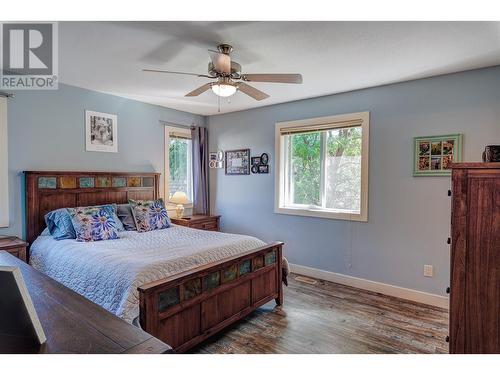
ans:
x=373 y=286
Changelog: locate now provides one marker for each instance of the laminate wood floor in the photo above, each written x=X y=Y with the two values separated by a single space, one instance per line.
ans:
x=332 y=318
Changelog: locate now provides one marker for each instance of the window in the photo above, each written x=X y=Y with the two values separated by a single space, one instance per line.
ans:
x=322 y=167
x=4 y=182
x=179 y=173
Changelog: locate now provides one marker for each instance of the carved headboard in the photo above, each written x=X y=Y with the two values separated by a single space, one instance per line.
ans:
x=47 y=191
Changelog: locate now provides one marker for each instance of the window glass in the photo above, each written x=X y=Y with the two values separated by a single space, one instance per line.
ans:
x=343 y=169
x=180 y=166
x=305 y=165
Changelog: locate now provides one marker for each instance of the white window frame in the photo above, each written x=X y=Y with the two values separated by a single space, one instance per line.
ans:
x=337 y=121
x=172 y=130
x=4 y=165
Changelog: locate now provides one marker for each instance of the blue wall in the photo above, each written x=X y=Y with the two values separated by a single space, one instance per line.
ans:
x=409 y=217
x=47 y=132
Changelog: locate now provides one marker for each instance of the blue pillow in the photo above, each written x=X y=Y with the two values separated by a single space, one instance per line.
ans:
x=59 y=224
x=114 y=208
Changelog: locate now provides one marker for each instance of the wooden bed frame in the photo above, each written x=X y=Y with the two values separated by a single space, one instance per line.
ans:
x=181 y=310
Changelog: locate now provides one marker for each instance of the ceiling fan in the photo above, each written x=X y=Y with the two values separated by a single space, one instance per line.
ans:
x=229 y=77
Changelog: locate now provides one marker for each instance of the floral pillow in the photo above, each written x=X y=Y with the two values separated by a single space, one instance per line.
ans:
x=149 y=215
x=94 y=223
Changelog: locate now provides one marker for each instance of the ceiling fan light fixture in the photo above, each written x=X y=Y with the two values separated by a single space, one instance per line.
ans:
x=223 y=90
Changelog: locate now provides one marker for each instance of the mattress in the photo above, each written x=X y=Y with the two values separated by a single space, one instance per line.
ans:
x=109 y=272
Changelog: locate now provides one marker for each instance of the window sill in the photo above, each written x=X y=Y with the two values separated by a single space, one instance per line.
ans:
x=311 y=212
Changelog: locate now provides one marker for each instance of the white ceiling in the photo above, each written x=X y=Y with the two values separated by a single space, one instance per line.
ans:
x=332 y=56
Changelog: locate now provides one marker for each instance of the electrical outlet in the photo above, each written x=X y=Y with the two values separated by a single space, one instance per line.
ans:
x=428 y=270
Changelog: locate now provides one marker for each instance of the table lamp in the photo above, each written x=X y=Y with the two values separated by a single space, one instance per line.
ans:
x=180 y=199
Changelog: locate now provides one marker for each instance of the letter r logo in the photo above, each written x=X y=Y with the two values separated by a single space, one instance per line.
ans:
x=27 y=49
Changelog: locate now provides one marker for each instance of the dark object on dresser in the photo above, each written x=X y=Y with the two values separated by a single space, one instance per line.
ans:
x=184 y=309
x=72 y=323
x=475 y=259
x=205 y=222
x=15 y=246
x=491 y=154
x=17 y=314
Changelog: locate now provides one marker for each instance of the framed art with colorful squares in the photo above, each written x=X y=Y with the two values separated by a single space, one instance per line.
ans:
x=433 y=155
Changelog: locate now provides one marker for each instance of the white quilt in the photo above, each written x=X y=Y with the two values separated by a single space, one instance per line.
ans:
x=109 y=272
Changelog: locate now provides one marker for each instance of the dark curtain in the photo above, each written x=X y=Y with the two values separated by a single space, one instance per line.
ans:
x=199 y=137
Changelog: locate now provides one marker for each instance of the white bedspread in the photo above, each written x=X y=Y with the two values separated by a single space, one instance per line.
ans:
x=109 y=272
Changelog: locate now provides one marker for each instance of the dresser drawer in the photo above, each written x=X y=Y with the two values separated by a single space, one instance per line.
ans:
x=206 y=225
x=203 y=222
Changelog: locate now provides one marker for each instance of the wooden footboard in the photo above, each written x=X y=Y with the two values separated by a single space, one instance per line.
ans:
x=187 y=308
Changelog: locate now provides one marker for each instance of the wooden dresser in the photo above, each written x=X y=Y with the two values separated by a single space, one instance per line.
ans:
x=15 y=246
x=73 y=324
x=205 y=222
x=475 y=259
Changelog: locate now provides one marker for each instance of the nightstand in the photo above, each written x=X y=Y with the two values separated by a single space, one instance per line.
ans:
x=205 y=222
x=15 y=246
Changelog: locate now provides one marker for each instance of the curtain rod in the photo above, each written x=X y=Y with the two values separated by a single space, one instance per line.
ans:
x=167 y=123
x=6 y=94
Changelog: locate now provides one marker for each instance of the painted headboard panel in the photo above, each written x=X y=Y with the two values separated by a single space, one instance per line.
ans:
x=47 y=191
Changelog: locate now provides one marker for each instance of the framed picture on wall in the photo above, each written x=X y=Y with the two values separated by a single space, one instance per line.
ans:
x=433 y=155
x=216 y=159
x=101 y=132
x=264 y=168
x=238 y=162
x=212 y=156
x=256 y=160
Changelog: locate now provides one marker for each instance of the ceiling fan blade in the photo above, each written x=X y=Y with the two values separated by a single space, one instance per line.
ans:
x=170 y=72
x=200 y=90
x=221 y=61
x=278 y=78
x=252 y=91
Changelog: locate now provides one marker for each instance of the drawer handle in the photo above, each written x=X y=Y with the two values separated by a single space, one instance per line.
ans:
x=448 y=241
x=449 y=193
x=448 y=290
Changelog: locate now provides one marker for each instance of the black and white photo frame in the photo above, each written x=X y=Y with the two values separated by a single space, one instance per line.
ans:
x=238 y=162
x=263 y=168
x=216 y=159
x=260 y=164
x=264 y=159
x=101 y=132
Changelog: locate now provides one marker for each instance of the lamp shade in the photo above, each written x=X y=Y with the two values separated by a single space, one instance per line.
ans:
x=179 y=197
